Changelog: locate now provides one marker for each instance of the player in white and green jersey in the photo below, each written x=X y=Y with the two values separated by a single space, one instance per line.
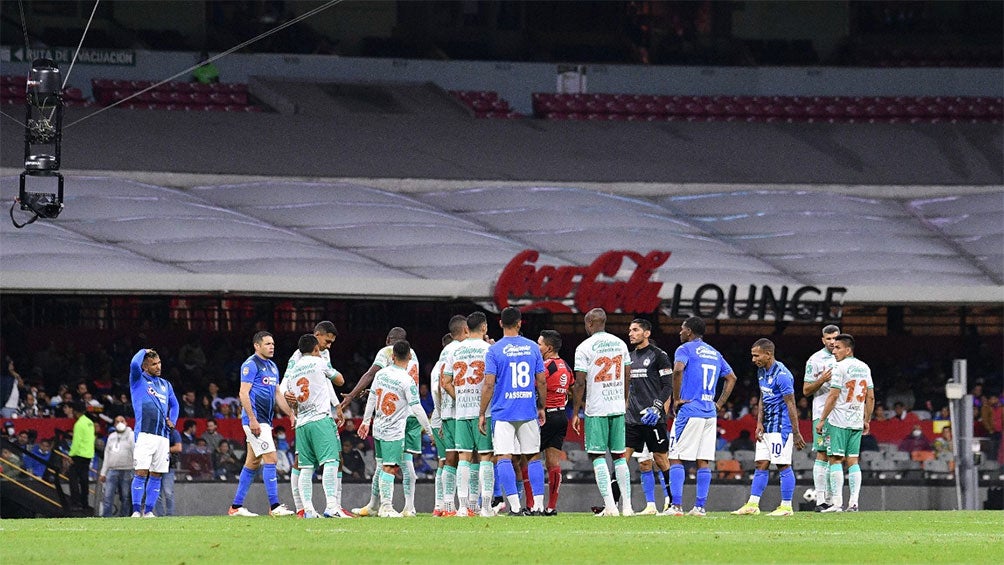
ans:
x=317 y=440
x=818 y=372
x=602 y=365
x=392 y=397
x=413 y=436
x=465 y=370
x=847 y=414
x=447 y=410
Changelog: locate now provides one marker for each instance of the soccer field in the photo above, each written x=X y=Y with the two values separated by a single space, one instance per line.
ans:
x=901 y=537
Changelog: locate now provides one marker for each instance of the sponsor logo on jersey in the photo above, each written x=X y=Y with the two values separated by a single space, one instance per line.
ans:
x=513 y=350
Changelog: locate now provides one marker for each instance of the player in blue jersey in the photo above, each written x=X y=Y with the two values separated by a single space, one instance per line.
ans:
x=697 y=368
x=155 y=408
x=776 y=429
x=259 y=395
x=514 y=389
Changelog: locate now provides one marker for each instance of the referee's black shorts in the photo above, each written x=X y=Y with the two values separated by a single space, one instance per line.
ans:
x=552 y=433
x=637 y=436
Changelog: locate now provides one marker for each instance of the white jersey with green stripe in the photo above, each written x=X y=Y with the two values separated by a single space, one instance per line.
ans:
x=307 y=379
x=814 y=368
x=602 y=357
x=385 y=358
x=467 y=369
x=329 y=372
x=448 y=408
x=853 y=379
x=393 y=393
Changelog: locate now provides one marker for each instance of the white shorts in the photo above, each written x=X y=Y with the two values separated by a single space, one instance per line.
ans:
x=773 y=449
x=151 y=453
x=516 y=438
x=695 y=441
x=261 y=444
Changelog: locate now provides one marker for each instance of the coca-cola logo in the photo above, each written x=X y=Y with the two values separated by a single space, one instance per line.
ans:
x=574 y=288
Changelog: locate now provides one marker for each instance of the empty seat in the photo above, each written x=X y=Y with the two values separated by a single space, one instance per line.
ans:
x=729 y=469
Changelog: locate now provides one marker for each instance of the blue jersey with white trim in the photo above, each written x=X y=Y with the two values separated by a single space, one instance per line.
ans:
x=515 y=361
x=776 y=382
x=153 y=399
x=264 y=378
x=703 y=365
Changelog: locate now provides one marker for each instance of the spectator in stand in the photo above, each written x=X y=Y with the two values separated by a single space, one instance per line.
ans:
x=349 y=436
x=226 y=411
x=225 y=462
x=879 y=414
x=165 y=502
x=10 y=395
x=116 y=470
x=57 y=399
x=214 y=395
x=212 y=435
x=901 y=393
x=188 y=435
x=204 y=408
x=425 y=398
x=900 y=413
x=30 y=408
x=191 y=355
x=743 y=442
x=14 y=458
x=915 y=441
x=942 y=415
x=804 y=410
x=37 y=467
x=943 y=443
x=352 y=462
x=91 y=404
x=120 y=406
x=992 y=418
x=24 y=439
x=82 y=452
x=188 y=407
x=721 y=444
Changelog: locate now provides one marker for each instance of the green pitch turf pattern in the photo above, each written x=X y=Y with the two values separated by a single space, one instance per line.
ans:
x=865 y=537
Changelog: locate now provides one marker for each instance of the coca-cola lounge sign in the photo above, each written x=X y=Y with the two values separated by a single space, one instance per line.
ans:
x=570 y=289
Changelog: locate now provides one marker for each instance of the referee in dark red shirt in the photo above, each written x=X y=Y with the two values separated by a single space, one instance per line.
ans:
x=552 y=432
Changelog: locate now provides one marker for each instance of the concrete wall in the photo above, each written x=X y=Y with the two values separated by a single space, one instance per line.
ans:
x=517 y=81
x=206 y=499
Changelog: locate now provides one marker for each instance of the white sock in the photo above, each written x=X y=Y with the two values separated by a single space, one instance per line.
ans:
x=463 y=484
x=623 y=481
x=338 y=491
x=375 y=487
x=602 y=475
x=820 y=476
x=294 y=486
x=408 y=482
x=487 y=472
x=307 y=489
x=837 y=484
x=439 y=486
x=329 y=479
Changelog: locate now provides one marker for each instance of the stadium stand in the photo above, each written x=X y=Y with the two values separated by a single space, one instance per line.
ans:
x=175 y=95
x=485 y=103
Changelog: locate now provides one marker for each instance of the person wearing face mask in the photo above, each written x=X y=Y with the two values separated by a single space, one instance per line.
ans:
x=116 y=471
x=915 y=441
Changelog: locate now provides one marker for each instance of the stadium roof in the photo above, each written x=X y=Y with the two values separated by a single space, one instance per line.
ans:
x=452 y=239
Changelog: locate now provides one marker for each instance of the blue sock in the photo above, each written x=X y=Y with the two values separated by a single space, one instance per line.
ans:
x=676 y=477
x=271 y=483
x=243 y=486
x=138 y=490
x=703 y=485
x=663 y=475
x=760 y=479
x=648 y=485
x=787 y=485
x=507 y=476
x=152 y=492
x=535 y=472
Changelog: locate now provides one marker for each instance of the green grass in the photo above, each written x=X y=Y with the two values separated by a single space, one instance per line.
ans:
x=901 y=537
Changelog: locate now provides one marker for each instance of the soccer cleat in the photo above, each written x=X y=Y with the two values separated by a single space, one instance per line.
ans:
x=596 y=509
x=852 y=508
x=833 y=508
x=649 y=510
x=280 y=510
x=627 y=511
x=300 y=513
x=136 y=515
x=822 y=507
x=149 y=514
x=240 y=511
x=609 y=512
x=697 y=511
x=515 y=513
x=437 y=513
x=550 y=512
x=748 y=509
x=674 y=510
x=336 y=513
x=308 y=514
x=406 y=513
x=389 y=513
x=487 y=512
x=530 y=512
x=783 y=510
x=498 y=504
x=448 y=514
x=346 y=513
x=665 y=506
x=364 y=511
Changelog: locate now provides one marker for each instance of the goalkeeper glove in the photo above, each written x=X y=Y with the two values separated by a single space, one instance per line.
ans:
x=651 y=415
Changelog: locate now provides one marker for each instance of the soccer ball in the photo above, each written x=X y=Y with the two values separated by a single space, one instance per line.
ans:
x=809 y=495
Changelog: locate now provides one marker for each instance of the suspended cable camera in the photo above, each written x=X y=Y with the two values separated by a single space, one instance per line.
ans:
x=43 y=134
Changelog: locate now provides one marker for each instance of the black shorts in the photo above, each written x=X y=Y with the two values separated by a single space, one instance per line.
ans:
x=637 y=436
x=552 y=433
